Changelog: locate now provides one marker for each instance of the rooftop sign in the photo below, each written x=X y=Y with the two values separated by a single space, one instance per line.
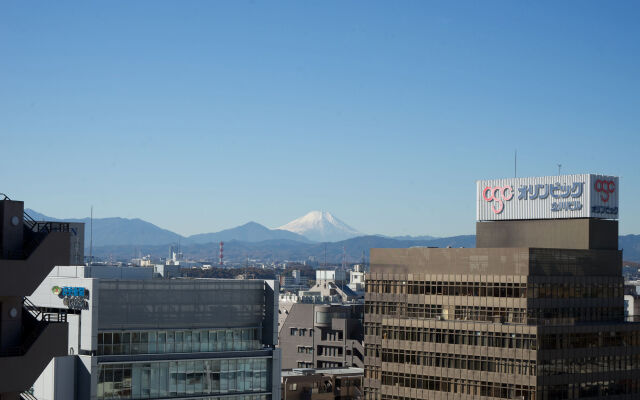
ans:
x=548 y=197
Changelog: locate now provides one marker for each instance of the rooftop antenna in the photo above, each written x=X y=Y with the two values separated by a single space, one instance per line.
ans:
x=325 y=255
x=91 y=239
x=515 y=164
x=559 y=168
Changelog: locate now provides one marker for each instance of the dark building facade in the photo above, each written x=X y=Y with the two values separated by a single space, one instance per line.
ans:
x=535 y=312
x=29 y=336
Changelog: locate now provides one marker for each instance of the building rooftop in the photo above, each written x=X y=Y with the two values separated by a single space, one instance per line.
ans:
x=322 y=371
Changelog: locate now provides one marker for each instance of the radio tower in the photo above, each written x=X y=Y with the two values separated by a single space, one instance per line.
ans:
x=221 y=252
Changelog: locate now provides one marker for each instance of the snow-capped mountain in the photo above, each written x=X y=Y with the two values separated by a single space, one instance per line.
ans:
x=321 y=226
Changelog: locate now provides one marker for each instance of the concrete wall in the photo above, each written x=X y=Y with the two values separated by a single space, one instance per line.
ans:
x=11 y=235
x=496 y=261
x=178 y=303
x=82 y=327
x=552 y=234
x=300 y=316
x=58 y=380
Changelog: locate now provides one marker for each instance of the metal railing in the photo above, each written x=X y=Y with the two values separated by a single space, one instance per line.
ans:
x=41 y=318
x=44 y=314
x=27 y=395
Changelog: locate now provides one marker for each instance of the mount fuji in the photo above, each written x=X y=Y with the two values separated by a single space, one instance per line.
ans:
x=321 y=226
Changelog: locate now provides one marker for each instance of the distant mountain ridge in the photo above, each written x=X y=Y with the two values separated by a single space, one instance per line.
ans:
x=123 y=236
x=118 y=231
x=135 y=232
x=249 y=232
x=282 y=250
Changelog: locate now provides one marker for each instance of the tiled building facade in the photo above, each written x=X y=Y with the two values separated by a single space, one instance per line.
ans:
x=537 y=313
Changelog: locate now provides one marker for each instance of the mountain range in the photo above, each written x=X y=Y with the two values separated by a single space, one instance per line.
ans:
x=123 y=237
x=314 y=226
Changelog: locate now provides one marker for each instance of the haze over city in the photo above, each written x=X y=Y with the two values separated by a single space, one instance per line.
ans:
x=201 y=116
x=320 y=200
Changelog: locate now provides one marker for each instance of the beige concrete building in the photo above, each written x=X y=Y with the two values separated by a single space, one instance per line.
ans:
x=535 y=312
x=321 y=335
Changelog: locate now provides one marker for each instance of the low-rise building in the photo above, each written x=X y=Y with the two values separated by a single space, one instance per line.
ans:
x=322 y=384
x=321 y=335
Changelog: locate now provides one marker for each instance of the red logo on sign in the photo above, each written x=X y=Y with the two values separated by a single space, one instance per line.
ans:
x=605 y=188
x=497 y=194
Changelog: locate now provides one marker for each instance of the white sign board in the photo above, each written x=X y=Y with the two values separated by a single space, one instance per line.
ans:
x=548 y=197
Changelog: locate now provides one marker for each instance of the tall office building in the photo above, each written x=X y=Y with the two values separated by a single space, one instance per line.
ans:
x=134 y=337
x=29 y=337
x=536 y=311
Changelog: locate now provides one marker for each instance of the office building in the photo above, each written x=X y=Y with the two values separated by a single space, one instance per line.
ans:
x=135 y=337
x=536 y=311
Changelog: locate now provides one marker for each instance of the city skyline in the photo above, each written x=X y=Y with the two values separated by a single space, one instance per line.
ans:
x=203 y=116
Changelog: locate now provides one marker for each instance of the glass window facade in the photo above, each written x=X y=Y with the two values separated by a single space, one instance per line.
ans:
x=178 y=341
x=166 y=379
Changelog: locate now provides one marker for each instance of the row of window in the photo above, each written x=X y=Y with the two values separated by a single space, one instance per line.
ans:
x=557 y=392
x=331 y=335
x=490 y=289
x=607 y=338
x=460 y=361
x=552 y=392
x=599 y=389
x=585 y=365
x=181 y=378
x=305 y=349
x=331 y=351
x=566 y=290
x=506 y=340
x=329 y=364
x=302 y=364
x=450 y=336
x=300 y=332
x=438 y=311
x=494 y=314
x=459 y=386
x=178 y=341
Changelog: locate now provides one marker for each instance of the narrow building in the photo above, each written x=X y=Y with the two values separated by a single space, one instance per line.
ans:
x=321 y=335
x=29 y=336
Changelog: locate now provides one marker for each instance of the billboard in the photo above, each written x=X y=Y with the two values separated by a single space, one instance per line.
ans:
x=548 y=197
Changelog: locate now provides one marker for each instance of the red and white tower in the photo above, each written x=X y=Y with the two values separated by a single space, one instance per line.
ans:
x=221 y=252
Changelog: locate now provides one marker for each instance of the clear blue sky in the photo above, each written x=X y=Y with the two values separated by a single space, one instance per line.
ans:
x=203 y=115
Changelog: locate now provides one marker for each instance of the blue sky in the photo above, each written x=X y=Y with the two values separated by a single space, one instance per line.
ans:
x=203 y=115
